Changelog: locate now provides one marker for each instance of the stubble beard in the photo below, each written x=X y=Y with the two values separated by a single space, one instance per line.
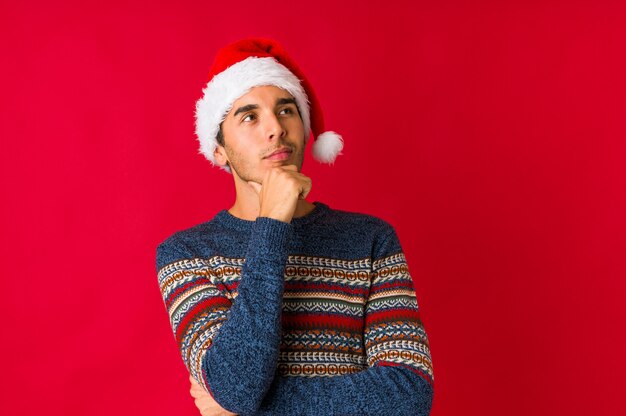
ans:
x=242 y=168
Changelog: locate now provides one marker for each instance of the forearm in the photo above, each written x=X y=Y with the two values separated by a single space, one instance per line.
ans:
x=239 y=365
x=375 y=391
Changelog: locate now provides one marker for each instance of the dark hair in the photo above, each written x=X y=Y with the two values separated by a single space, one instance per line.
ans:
x=220 y=136
x=220 y=139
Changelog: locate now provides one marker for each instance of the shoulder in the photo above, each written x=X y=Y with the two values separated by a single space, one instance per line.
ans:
x=361 y=222
x=361 y=231
x=198 y=241
x=382 y=233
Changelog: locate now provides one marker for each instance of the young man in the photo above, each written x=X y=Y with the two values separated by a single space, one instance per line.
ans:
x=282 y=306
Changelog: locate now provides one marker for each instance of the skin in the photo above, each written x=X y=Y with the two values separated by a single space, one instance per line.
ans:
x=204 y=402
x=264 y=188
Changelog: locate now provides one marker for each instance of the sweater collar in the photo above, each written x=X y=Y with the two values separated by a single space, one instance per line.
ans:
x=231 y=221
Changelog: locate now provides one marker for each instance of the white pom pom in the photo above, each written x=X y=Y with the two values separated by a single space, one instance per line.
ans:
x=327 y=147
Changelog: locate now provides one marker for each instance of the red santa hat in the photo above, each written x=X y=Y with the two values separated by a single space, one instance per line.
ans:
x=250 y=63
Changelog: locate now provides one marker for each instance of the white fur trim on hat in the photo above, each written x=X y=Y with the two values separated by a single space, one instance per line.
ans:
x=235 y=81
x=327 y=147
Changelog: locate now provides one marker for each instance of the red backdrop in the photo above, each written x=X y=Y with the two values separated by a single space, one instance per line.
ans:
x=490 y=134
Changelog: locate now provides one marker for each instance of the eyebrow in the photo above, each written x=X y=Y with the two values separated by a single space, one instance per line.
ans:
x=249 y=107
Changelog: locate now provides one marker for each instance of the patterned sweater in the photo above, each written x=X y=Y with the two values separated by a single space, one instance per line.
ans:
x=313 y=317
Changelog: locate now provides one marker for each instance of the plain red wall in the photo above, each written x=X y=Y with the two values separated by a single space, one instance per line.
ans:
x=492 y=135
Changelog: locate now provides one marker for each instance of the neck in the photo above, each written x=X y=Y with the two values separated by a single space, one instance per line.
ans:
x=251 y=213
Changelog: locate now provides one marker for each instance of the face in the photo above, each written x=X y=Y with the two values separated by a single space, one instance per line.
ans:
x=264 y=120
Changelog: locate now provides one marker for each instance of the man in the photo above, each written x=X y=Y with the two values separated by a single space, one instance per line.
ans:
x=282 y=306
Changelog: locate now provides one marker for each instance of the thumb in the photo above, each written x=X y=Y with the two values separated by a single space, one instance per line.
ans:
x=255 y=186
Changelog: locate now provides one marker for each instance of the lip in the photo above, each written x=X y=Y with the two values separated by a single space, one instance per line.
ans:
x=280 y=154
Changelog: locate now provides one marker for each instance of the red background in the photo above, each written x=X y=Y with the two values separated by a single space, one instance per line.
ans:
x=490 y=134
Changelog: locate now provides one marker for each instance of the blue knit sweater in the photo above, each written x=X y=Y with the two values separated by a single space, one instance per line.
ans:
x=313 y=317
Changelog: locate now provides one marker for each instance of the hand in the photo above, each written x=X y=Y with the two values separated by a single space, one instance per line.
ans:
x=205 y=403
x=281 y=189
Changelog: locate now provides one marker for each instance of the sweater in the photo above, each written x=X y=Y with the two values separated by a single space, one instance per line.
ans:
x=313 y=317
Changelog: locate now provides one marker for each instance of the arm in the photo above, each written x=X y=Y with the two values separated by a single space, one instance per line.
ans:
x=399 y=380
x=231 y=350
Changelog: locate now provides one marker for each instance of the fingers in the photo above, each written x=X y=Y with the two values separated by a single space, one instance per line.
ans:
x=195 y=393
x=196 y=390
x=194 y=383
x=306 y=188
x=305 y=185
x=203 y=407
x=293 y=172
x=279 y=191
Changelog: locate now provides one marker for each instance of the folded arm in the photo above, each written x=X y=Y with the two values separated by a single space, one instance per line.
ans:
x=230 y=346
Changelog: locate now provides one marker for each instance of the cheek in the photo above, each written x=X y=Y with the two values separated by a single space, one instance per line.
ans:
x=246 y=137
x=296 y=126
x=238 y=140
x=242 y=148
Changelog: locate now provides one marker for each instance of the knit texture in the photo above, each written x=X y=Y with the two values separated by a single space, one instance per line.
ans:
x=313 y=317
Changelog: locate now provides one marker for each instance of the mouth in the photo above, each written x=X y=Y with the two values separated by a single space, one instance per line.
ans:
x=280 y=154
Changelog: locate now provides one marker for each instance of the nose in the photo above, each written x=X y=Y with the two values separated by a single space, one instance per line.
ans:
x=274 y=128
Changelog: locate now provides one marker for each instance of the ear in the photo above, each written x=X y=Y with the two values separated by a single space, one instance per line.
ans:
x=220 y=155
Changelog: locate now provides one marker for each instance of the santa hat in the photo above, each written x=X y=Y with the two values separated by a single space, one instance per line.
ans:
x=250 y=63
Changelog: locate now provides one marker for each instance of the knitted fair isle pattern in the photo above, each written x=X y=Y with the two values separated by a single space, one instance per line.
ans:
x=339 y=316
x=325 y=301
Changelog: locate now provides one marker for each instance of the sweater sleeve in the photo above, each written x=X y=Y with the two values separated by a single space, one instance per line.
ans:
x=399 y=377
x=229 y=345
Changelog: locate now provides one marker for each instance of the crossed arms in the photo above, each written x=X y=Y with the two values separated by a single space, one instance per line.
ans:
x=231 y=346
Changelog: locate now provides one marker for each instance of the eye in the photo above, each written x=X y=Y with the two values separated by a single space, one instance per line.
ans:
x=249 y=115
x=289 y=110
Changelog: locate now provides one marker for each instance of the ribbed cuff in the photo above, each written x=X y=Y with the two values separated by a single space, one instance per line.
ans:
x=269 y=239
